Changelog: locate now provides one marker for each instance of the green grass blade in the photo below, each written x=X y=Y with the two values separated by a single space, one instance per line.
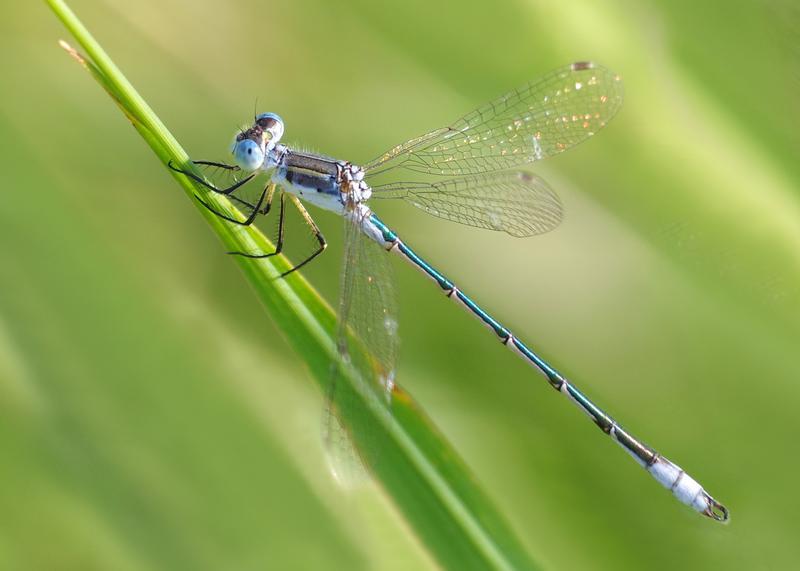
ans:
x=416 y=466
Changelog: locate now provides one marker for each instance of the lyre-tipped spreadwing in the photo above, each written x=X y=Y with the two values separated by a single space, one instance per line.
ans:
x=543 y=118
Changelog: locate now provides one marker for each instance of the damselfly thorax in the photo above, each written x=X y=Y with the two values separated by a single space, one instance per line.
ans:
x=334 y=185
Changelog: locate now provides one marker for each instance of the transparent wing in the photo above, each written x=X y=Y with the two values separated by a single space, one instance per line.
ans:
x=538 y=120
x=516 y=202
x=367 y=307
x=367 y=341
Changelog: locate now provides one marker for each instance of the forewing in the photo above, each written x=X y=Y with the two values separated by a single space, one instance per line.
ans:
x=367 y=342
x=538 y=120
x=367 y=306
x=516 y=202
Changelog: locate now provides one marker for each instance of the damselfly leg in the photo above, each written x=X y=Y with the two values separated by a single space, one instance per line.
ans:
x=267 y=194
x=262 y=206
x=209 y=186
x=322 y=243
x=227 y=191
x=281 y=232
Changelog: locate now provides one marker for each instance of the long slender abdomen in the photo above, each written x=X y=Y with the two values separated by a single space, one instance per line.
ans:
x=669 y=475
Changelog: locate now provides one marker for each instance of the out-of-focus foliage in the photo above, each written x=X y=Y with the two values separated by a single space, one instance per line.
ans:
x=670 y=293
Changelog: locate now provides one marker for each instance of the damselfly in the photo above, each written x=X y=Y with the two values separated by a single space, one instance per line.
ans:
x=543 y=118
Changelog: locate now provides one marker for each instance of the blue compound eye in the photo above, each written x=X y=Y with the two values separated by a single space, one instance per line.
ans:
x=248 y=155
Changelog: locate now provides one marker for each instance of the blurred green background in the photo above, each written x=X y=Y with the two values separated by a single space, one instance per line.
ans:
x=132 y=433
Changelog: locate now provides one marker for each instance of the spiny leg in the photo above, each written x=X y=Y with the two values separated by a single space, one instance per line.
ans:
x=267 y=194
x=250 y=206
x=225 y=166
x=211 y=187
x=281 y=226
x=314 y=228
